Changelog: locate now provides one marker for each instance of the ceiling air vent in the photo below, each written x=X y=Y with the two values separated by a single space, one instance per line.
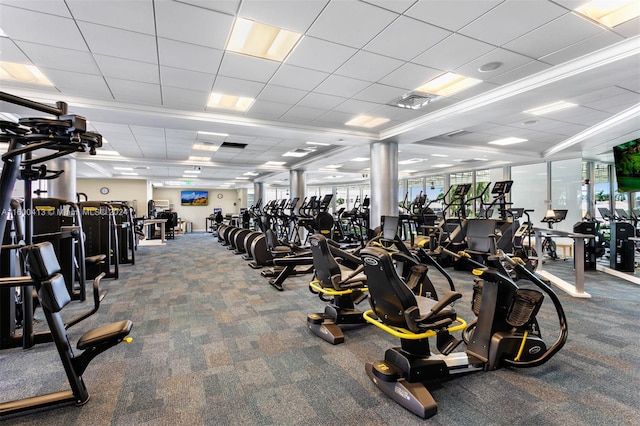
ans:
x=457 y=133
x=415 y=100
x=233 y=145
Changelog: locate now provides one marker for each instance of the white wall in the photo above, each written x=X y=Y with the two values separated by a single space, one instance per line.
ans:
x=231 y=202
x=134 y=191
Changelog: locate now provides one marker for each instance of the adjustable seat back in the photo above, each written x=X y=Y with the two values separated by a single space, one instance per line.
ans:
x=324 y=264
x=389 y=295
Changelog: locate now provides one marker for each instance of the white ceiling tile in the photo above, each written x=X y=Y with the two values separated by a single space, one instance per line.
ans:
x=292 y=15
x=184 y=98
x=145 y=132
x=134 y=91
x=355 y=106
x=127 y=69
x=498 y=25
x=368 y=66
x=51 y=7
x=448 y=14
x=319 y=100
x=285 y=95
x=319 y=54
x=11 y=52
x=237 y=87
x=267 y=110
x=302 y=114
x=509 y=60
x=119 y=43
x=397 y=6
x=350 y=23
x=135 y=16
x=185 y=79
x=188 y=56
x=247 y=67
x=588 y=45
x=35 y=27
x=406 y=38
x=58 y=58
x=396 y=113
x=520 y=72
x=297 y=77
x=379 y=93
x=79 y=84
x=629 y=29
x=341 y=86
x=227 y=6
x=453 y=52
x=409 y=76
x=556 y=35
x=190 y=24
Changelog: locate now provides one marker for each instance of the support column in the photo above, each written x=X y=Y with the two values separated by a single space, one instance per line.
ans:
x=384 y=181
x=297 y=185
x=258 y=192
x=64 y=186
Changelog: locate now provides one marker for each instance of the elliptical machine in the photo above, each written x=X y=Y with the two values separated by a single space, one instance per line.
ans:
x=505 y=332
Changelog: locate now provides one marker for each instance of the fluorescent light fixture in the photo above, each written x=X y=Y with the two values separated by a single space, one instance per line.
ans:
x=439 y=155
x=107 y=152
x=235 y=103
x=198 y=158
x=205 y=147
x=275 y=163
x=224 y=135
x=408 y=171
x=251 y=174
x=261 y=40
x=546 y=109
x=126 y=169
x=610 y=12
x=448 y=84
x=98 y=168
x=442 y=165
x=623 y=116
x=366 y=121
x=360 y=159
x=295 y=153
x=410 y=161
x=242 y=178
x=507 y=141
x=192 y=171
x=157 y=184
x=333 y=166
x=23 y=73
x=129 y=174
x=481 y=159
x=318 y=143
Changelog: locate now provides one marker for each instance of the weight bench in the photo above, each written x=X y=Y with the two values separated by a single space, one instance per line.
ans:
x=46 y=275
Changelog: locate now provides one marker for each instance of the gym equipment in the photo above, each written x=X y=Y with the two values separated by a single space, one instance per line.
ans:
x=548 y=245
x=342 y=286
x=592 y=246
x=45 y=273
x=621 y=249
x=65 y=134
x=100 y=228
x=124 y=215
x=505 y=333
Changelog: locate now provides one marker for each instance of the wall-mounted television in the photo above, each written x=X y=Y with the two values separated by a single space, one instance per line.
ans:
x=627 y=163
x=194 y=198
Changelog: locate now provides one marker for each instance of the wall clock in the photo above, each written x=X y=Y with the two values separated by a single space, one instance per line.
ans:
x=220 y=196
x=104 y=190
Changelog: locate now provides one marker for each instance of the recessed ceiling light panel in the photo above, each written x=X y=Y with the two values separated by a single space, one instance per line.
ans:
x=261 y=40
x=366 y=121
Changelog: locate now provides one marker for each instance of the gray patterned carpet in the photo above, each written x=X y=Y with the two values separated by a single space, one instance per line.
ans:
x=214 y=344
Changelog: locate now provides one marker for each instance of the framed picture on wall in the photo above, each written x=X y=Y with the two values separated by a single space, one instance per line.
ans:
x=194 y=198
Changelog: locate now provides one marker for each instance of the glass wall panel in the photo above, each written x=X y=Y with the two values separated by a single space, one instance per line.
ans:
x=529 y=190
x=566 y=191
x=415 y=189
x=434 y=188
x=602 y=190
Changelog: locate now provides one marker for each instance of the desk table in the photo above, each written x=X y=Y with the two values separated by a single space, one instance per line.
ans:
x=149 y=242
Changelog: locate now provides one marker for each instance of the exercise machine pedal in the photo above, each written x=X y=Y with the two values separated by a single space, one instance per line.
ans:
x=323 y=327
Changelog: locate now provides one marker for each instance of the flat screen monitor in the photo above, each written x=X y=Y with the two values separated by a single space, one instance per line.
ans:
x=389 y=227
x=627 y=163
x=502 y=187
x=462 y=189
x=217 y=210
x=560 y=214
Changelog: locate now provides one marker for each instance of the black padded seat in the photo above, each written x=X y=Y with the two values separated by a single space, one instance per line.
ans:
x=105 y=334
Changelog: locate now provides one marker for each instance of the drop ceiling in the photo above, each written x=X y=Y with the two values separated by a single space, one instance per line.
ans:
x=142 y=72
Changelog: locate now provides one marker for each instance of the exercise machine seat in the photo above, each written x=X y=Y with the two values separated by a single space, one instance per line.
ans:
x=330 y=273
